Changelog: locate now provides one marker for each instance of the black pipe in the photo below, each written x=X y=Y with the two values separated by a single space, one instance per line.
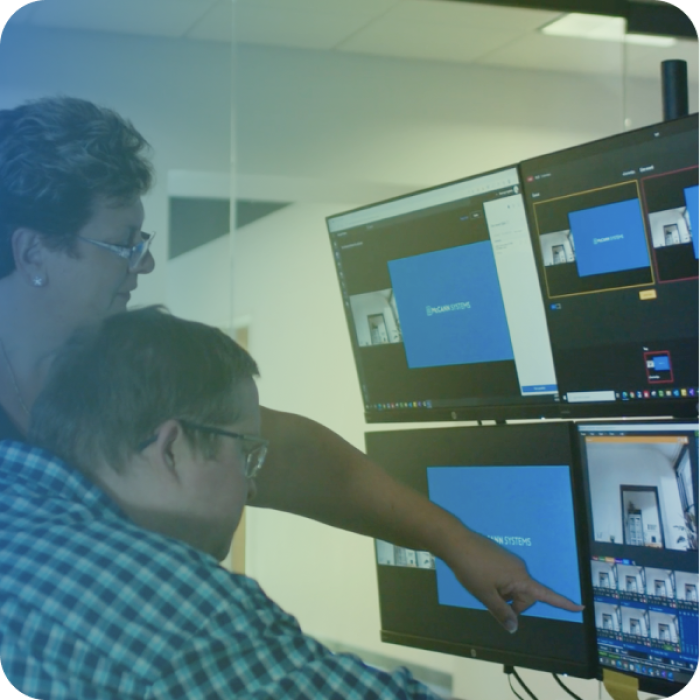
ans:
x=674 y=84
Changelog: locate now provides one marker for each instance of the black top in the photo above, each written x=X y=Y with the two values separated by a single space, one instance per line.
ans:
x=8 y=430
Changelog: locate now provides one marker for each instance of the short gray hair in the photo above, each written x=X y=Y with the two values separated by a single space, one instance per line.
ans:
x=57 y=157
x=115 y=382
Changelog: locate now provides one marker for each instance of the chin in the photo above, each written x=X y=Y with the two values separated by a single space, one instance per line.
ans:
x=119 y=303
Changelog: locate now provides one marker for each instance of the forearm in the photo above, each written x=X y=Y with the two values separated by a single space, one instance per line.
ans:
x=313 y=472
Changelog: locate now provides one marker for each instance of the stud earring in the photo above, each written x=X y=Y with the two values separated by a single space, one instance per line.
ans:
x=38 y=281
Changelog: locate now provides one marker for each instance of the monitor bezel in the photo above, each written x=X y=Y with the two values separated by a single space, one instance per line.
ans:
x=588 y=668
x=682 y=408
x=489 y=410
x=647 y=684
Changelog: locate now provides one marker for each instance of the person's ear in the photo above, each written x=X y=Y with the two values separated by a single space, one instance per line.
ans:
x=168 y=449
x=30 y=254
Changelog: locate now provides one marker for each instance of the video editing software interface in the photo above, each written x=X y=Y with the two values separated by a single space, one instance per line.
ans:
x=641 y=485
x=615 y=230
x=515 y=485
x=443 y=302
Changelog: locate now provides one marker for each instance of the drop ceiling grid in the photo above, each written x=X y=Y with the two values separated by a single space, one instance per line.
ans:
x=441 y=30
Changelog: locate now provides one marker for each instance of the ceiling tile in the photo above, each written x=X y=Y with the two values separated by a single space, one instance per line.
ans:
x=441 y=30
x=155 y=17
x=367 y=7
x=474 y=15
x=538 y=51
x=415 y=40
x=309 y=29
x=216 y=25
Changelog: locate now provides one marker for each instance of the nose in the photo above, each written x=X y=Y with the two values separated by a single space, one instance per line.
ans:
x=147 y=265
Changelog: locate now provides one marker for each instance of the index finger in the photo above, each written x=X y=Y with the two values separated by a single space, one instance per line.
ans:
x=538 y=592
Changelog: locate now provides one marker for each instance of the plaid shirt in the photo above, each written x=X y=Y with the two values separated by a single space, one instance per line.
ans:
x=94 y=607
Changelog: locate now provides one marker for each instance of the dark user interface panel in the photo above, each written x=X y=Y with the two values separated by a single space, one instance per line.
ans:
x=642 y=494
x=515 y=485
x=615 y=230
x=443 y=303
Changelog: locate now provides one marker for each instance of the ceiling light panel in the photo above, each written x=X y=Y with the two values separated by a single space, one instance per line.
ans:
x=601 y=28
x=582 y=26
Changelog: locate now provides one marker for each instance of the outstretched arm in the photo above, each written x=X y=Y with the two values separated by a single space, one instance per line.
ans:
x=313 y=472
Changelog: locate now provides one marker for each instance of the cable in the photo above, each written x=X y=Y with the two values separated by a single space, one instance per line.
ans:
x=522 y=683
x=515 y=692
x=561 y=683
x=510 y=671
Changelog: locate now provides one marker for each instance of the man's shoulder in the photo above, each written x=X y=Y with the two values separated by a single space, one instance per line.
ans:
x=53 y=516
x=32 y=479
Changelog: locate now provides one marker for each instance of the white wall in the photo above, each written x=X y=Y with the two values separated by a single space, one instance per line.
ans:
x=353 y=117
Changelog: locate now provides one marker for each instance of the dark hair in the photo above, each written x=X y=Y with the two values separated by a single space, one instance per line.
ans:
x=57 y=156
x=115 y=382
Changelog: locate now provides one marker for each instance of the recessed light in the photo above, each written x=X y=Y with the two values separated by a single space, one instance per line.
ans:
x=601 y=28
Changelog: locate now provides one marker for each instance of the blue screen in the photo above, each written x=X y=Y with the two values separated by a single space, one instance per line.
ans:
x=691 y=201
x=662 y=363
x=450 y=307
x=529 y=510
x=609 y=238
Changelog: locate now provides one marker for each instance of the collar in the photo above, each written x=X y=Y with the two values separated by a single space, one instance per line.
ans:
x=35 y=470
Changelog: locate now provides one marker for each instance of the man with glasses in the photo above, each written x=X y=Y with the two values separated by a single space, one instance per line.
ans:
x=111 y=528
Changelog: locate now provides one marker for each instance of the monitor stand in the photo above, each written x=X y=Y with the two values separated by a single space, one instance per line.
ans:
x=620 y=686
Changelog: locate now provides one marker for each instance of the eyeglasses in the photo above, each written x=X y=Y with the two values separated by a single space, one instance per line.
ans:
x=133 y=254
x=254 y=447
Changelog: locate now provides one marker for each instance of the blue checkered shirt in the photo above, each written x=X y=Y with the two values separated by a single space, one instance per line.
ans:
x=93 y=607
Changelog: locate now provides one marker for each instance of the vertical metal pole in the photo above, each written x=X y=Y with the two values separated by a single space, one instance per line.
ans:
x=674 y=84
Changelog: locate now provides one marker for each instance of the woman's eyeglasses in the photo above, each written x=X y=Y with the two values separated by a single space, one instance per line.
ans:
x=134 y=255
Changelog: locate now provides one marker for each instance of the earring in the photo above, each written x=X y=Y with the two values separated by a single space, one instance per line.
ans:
x=38 y=281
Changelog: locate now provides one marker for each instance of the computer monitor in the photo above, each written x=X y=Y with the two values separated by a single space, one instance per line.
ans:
x=641 y=491
x=516 y=485
x=443 y=304
x=615 y=231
